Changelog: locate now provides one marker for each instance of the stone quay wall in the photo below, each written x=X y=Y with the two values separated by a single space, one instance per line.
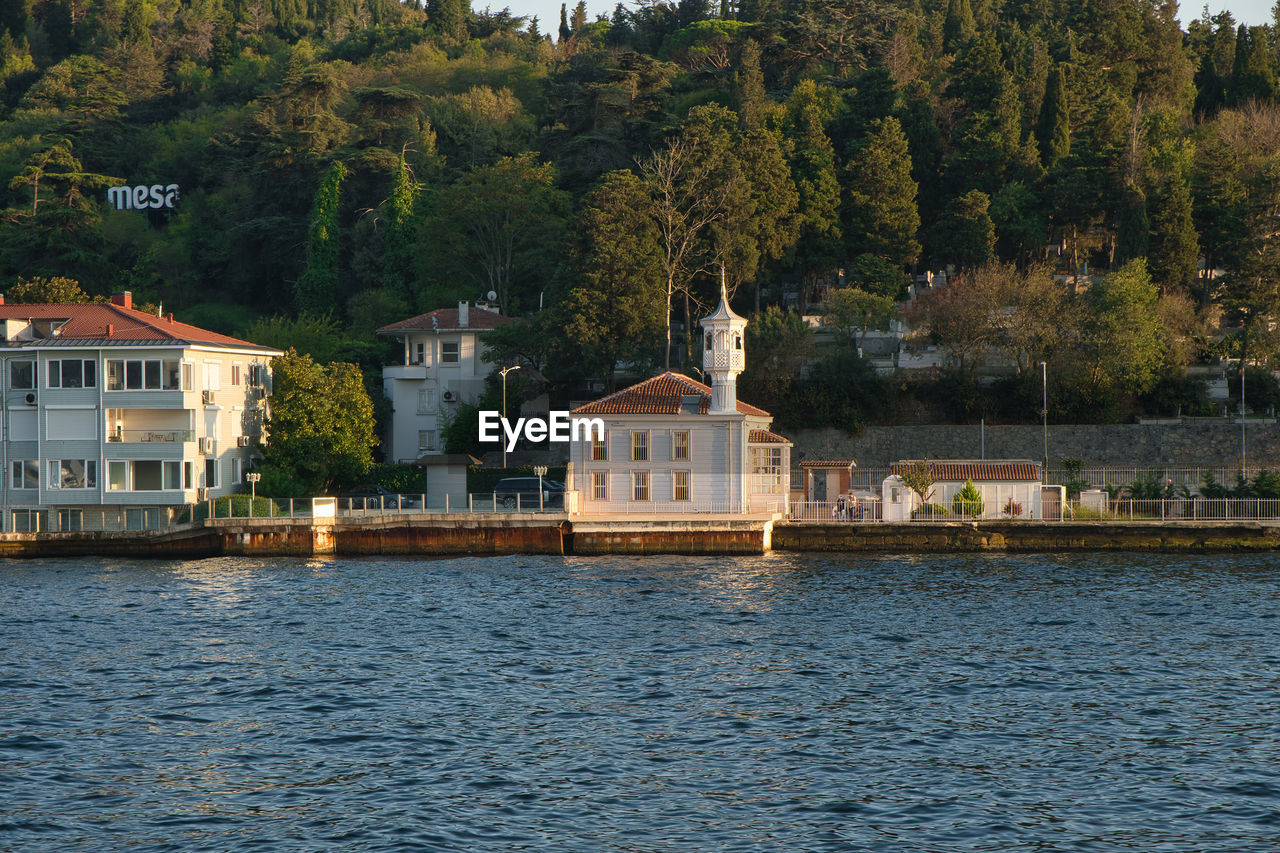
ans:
x=1196 y=444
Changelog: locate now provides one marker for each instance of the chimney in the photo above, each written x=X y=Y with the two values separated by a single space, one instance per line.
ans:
x=111 y=329
x=463 y=319
x=1 y=298
x=124 y=299
x=170 y=316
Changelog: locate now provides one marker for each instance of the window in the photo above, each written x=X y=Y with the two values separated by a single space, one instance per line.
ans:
x=639 y=485
x=71 y=519
x=766 y=470
x=426 y=439
x=73 y=373
x=117 y=476
x=188 y=373
x=237 y=470
x=600 y=448
x=419 y=353
x=25 y=474
x=30 y=520
x=212 y=376
x=147 y=475
x=680 y=446
x=449 y=352
x=639 y=446
x=173 y=475
x=211 y=473
x=680 y=485
x=22 y=375
x=73 y=474
x=152 y=374
x=235 y=374
x=737 y=340
x=426 y=401
x=600 y=485
x=709 y=339
x=257 y=376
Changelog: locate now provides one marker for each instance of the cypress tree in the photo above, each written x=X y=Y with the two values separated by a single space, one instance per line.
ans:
x=1175 y=248
x=883 y=217
x=958 y=26
x=748 y=85
x=319 y=281
x=1053 y=130
x=565 y=32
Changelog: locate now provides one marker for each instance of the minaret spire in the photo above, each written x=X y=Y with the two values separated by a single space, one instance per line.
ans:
x=723 y=356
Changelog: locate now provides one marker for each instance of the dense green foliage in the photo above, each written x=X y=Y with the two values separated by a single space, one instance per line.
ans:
x=362 y=160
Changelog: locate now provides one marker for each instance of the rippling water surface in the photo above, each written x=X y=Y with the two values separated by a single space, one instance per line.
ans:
x=781 y=703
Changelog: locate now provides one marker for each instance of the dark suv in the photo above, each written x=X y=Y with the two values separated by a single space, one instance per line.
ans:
x=526 y=489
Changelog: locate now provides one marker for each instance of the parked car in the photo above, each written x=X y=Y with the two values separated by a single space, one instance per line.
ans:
x=372 y=496
x=526 y=490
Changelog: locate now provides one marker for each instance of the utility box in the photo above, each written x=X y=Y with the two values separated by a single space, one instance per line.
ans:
x=1094 y=499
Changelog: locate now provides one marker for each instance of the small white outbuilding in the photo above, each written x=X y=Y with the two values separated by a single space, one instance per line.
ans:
x=1008 y=488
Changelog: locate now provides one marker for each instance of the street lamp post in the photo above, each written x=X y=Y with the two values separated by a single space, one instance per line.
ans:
x=1243 y=455
x=504 y=371
x=1044 y=409
x=252 y=479
x=541 y=471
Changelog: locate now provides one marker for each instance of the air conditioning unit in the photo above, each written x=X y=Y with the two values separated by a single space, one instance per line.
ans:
x=243 y=441
x=31 y=399
x=449 y=397
x=206 y=397
x=206 y=446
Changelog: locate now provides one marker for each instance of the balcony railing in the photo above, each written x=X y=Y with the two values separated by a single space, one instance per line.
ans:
x=169 y=436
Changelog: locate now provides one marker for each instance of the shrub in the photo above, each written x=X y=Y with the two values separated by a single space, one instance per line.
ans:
x=967 y=501
x=1012 y=508
x=929 y=511
x=236 y=506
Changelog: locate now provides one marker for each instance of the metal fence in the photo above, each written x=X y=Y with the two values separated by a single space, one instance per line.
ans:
x=1119 y=511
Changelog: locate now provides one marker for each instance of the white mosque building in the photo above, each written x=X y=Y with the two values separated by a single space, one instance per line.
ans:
x=673 y=445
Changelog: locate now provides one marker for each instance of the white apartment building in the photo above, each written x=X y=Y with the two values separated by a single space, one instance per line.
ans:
x=675 y=445
x=443 y=366
x=111 y=413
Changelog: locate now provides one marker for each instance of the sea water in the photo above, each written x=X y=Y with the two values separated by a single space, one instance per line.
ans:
x=780 y=703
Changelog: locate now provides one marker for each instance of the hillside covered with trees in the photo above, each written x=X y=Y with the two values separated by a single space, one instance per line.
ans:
x=334 y=165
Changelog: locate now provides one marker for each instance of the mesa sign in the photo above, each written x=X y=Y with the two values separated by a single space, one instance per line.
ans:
x=156 y=196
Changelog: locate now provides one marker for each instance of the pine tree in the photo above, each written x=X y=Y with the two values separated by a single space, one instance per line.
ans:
x=565 y=32
x=318 y=284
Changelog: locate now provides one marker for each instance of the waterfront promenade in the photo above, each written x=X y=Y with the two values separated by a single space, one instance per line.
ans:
x=1175 y=526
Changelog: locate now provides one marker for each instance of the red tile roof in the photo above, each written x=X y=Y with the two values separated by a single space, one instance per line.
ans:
x=478 y=319
x=662 y=395
x=764 y=436
x=958 y=470
x=109 y=324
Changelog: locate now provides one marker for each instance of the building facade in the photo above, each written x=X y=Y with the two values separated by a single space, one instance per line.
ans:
x=443 y=366
x=672 y=444
x=1008 y=488
x=114 y=417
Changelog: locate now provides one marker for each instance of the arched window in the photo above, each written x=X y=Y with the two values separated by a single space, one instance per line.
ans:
x=708 y=342
x=737 y=340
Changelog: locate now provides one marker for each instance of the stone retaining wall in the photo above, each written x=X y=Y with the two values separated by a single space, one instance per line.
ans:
x=1182 y=444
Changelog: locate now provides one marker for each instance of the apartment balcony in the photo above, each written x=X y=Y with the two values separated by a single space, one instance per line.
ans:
x=161 y=436
x=405 y=371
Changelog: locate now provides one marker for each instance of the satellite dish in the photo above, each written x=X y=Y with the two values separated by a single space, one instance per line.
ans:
x=492 y=296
